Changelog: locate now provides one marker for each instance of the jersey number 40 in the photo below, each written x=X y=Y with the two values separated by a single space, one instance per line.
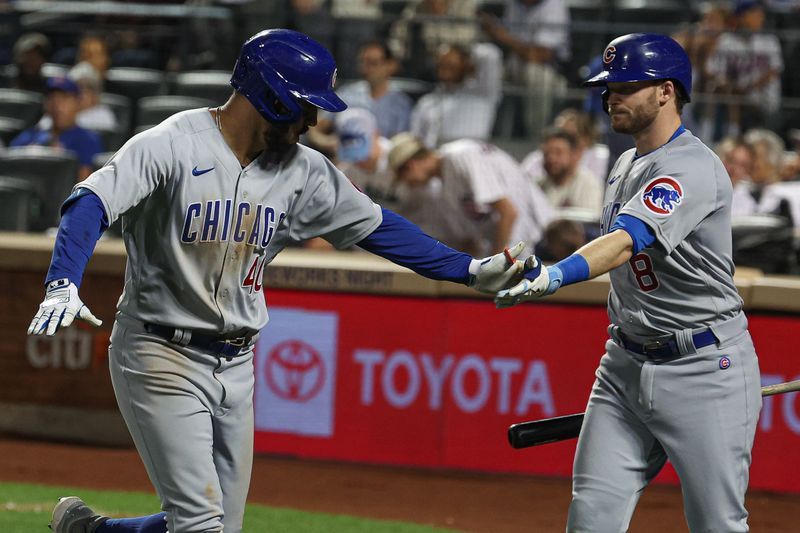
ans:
x=255 y=274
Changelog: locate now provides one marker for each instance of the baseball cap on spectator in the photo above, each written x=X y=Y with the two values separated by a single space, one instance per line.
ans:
x=742 y=6
x=404 y=147
x=31 y=41
x=356 y=128
x=62 y=83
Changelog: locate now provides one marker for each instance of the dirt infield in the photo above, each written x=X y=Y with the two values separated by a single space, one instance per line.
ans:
x=471 y=502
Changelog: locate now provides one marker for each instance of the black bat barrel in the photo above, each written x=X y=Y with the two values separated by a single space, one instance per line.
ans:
x=538 y=432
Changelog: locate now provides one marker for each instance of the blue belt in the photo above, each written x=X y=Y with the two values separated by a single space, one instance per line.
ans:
x=215 y=345
x=667 y=347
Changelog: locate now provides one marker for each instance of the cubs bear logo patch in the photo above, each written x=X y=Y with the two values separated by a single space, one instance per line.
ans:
x=662 y=195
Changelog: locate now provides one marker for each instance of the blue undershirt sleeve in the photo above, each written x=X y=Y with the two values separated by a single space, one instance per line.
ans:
x=403 y=243
x=642 y=235
x=83 y=221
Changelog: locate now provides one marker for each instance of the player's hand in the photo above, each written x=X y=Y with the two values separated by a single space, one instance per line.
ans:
x=535 y=284
x=60 y=307
x=498 y=271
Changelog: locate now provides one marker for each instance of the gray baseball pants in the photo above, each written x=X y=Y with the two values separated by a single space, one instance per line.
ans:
x=690 y=410
x=191 y=417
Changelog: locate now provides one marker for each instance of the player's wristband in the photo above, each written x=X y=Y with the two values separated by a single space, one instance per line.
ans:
x=571 y=270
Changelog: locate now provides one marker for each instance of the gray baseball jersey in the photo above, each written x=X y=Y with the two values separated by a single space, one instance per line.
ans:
x=698 y=405
x=683 y=193
x=199 y=228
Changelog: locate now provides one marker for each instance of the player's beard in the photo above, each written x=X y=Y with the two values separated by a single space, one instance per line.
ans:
x=281 y=138
x=636 y=119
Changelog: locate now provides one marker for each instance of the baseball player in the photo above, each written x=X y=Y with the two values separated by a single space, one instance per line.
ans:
x=207 y=199
x=680 y=378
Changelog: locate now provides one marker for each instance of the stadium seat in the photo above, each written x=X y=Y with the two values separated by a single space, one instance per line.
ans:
x=589 y=219
x=765 y=242
x=51 y=171
x=135 y=83
x=10 y=128
x=7 y=75
x=52 y=70
x=22 y=105
x=19 y=204
x=495 y=7
x=121 y=107
x=154 y=109
x=658 y=16
x=213 y=85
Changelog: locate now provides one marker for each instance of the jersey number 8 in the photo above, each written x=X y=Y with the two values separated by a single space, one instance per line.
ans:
x=642 y=268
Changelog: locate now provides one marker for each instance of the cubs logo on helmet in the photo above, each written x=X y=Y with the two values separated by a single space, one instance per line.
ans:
x=609 y=54
x=662 y=195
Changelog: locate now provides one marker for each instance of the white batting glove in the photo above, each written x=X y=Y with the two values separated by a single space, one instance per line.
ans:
x=60 y=307
x=499 y=270
x=535 y=284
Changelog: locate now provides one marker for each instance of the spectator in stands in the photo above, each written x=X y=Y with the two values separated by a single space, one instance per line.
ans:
x=93 y=48
x=562 y=237
x=772 y=196
x=93 y=114
x=790 y=166
x=464 y=102
x=426 y=25
x=363 y=154
x=791 y=170
x=738 y=156
x=30 y=53
x=748 y=63
x=536 y=35
x=62 y=104
x=593 y=156
x=700 y=41
x=357 y=22
x=768 y=150
x=488 y=201
x=391 y=108
x=564 y=181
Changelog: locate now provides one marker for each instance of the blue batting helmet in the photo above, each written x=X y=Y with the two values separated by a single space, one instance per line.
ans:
x=645 y=56
x=279 y=68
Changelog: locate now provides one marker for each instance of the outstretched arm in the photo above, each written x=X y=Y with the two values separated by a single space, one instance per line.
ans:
x=83 y=220
x=403 y=243
x=607 y=252
x=627 y=236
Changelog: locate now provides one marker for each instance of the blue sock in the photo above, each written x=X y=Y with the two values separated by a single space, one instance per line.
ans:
x=155 y=523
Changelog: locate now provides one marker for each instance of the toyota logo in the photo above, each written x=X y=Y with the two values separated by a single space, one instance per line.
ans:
x=294 y=371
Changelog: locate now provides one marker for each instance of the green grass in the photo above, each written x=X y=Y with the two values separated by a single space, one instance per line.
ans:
x=26 y=508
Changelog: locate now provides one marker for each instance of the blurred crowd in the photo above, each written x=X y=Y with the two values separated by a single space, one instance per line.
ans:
x=465 y=116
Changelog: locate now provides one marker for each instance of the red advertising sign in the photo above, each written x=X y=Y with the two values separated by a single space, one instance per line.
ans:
x=436 y=382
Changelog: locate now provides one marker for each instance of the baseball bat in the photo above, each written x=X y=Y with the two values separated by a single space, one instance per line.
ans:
x=538 y=432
